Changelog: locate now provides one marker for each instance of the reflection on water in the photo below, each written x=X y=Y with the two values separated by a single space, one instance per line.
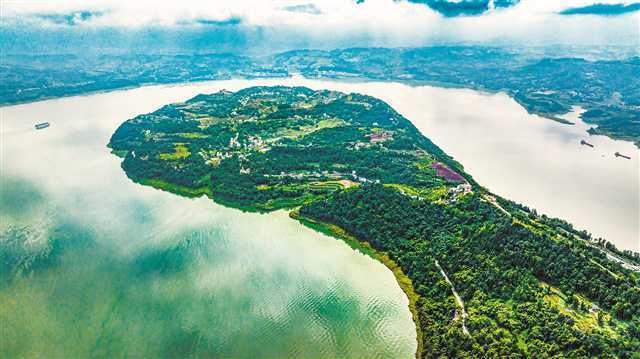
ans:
x=95 y=265
x=535 y=161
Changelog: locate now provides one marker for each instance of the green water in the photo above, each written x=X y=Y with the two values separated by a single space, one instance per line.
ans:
x=94 y=265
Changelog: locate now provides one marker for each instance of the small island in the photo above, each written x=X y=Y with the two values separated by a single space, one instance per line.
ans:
x=484 y=276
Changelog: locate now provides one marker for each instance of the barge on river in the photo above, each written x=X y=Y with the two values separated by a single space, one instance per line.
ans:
x=618 y=154
x=583 y=142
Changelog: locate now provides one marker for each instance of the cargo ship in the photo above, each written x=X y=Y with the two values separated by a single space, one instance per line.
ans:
x=40 y=126
x=618 y=154
x=583 y=142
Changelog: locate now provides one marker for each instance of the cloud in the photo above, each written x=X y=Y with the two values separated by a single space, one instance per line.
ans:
x=286 y=24
x=602 y=9
x=71 y=19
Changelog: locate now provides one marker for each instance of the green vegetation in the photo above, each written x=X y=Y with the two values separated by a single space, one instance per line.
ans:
x=277 y=147
x=174 y=188
x=180 y=151
x=498 y=265
x=532 y=286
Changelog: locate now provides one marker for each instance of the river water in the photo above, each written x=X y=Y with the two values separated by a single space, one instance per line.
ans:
x=101 y=266
x=108 y=266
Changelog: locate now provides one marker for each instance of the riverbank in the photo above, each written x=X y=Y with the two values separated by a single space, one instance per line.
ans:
x=402 y=279
x=194 y=192
x=174 y=188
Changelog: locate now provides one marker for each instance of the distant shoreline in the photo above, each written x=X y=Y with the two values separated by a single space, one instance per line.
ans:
x=413 y=83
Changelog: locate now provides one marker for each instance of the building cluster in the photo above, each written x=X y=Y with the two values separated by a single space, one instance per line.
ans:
x=458 y=191
x=361 y=179
x=308 y=175
x=233 y=141
x=374 y=138
x=378 y=137
x=213 y=158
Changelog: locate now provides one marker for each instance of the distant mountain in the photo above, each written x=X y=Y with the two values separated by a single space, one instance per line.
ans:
x=602 y=9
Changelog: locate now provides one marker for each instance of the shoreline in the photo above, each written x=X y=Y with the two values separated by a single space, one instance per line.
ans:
x=402 y=279
x=190 y=192
x=405 y=283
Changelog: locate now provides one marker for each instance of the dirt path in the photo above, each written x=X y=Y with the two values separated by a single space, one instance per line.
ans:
x=493 y=201
x=459 y=300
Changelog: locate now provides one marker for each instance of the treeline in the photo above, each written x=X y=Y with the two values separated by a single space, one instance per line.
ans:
x=557 y=223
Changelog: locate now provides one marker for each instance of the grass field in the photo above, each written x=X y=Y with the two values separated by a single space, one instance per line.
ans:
x=192 y=135
x=181 y=190
x=180 y=151
x=585 y=318
x=306 y=130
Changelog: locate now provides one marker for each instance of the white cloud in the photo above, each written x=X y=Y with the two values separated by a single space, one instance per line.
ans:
x=378 y=22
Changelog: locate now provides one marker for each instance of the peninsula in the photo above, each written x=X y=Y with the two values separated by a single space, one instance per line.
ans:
x=485 y=276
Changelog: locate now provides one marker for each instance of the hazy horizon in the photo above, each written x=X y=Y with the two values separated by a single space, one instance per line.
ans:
x=263 y=28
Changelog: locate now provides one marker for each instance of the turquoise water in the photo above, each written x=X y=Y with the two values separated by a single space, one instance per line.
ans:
x=95 y=265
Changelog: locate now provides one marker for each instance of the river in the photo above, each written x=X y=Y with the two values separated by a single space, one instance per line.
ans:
x=108 y=266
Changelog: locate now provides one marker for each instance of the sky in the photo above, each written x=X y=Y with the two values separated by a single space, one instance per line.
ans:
x=233 y=25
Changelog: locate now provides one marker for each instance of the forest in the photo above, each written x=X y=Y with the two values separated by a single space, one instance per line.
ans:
x=528 y=292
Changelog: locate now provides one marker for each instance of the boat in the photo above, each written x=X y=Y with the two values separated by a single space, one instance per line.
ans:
x=583 y=142
x=42 y=125
x=618 y=154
